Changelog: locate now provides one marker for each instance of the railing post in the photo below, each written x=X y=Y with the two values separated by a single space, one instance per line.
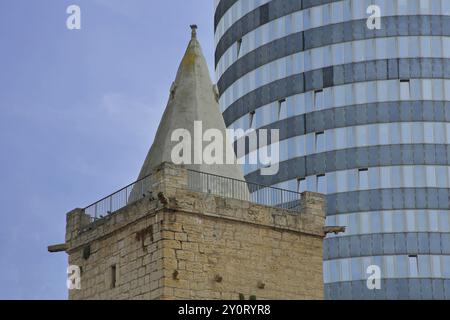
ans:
x=282 y=202
x=232 y=188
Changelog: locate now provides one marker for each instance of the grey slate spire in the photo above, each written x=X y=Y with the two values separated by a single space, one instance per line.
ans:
x=193 y=97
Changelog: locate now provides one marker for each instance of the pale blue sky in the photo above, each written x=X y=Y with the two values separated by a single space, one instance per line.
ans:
x=78 y=112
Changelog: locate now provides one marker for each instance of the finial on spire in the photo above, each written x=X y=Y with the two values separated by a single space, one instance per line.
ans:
x=194 y=28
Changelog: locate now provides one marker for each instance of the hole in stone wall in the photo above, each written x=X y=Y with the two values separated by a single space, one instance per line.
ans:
x=113 y=276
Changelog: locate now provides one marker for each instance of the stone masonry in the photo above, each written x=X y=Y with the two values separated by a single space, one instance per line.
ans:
x=180 y=244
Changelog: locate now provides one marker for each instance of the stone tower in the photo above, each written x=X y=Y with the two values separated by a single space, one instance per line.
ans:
x=178 y=241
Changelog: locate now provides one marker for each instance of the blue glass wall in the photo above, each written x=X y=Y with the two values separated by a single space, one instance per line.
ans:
x=364 y=117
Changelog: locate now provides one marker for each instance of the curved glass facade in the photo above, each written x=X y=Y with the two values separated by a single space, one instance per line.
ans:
x=364 y=117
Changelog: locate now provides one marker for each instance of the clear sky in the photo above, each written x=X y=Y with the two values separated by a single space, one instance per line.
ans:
x=78 y=112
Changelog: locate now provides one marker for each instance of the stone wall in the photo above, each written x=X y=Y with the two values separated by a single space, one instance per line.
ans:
x=188 y=245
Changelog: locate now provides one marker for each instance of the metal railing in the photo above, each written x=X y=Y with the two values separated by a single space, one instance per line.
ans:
x=199 y=182
x=243 y=190
x=119 y=199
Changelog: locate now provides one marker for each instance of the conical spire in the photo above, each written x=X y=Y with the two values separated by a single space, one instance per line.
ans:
x=193 y=99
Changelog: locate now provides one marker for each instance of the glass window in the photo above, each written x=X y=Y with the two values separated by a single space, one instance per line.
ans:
x=365 y=222
x=390 y=268
x=361 y=89
x=329 y=140
x=427 y=90
x=341 y=138
x=376 y=222
x=438 y=93
x=404 y=90
x=318 y=100
x=433 y=221
x=445 y=8
x=394 y=131
x=396 y=177
x=429 y=132
x=372 y=135
x=381 y=50
x=445 y=262
x=413 y=266
x=356 y=269
x=399 y=225
x=385 y=173
x=334 y=270
x=282 y=109
x=310 y=143
x=393 y=90
x=351 y=137
x=436 y=262
x=403 y=46
x=352 y=180
x=424 y=266
x=421 y=223
x=353 y=224
x=387 y=222
x=439 y=133
x=406 y=133
x=402 y=267
x=361 y=135
x=411 y=221
x=363 y=179
x=403 y=6
x=320 y=141
x=345 y=270
x=301 y=145
x=341 y=177
x=331 y=183
x=425 y=6
x=444 y=222
x=419 y=176
x=252 y=120
x=239 y=46
x=321 y=184
x=326 y=273
x=417 y=132
x=425 y=46
x=301 y=185
x=431 y=177
x=374 y=178
x=339 y=96
x=384 y=134
x=408 y=176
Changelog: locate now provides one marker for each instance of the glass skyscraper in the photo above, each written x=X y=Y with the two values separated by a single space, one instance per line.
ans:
x=364 y=117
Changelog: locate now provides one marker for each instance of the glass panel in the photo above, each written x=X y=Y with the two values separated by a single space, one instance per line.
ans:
x=320 y=142
x=404 y=90
x=413 y=267
x=399 y=224
x=436 y=262
x=363 y=179
x=318 y=100
x=321 y=184
x=302 y=185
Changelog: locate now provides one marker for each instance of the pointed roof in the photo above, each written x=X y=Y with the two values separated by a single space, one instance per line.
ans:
x=193 y=97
